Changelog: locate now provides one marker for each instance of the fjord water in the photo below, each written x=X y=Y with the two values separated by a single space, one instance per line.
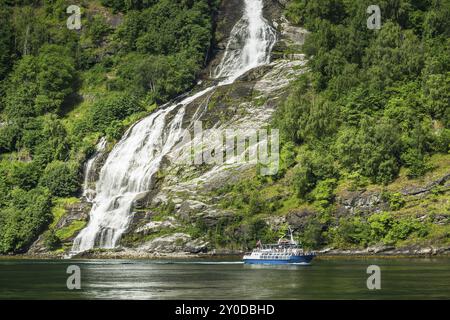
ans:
x=128 y=173
x=143 y=279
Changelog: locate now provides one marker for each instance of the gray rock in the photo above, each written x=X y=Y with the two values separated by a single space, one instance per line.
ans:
x=166 y=244
x=191 y=207
x=361 y=201
x=298 y=219
x=426 y=251
x=77 y=211
x=325 y=250
x=212 y=217
x=196 y=246
x=295 y=35
x=177 y=242
x=275 y=222
x=157 y=226
x=380 y=248
x=417 y=190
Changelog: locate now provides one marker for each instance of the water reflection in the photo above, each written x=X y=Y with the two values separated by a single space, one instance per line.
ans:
x=143 y=279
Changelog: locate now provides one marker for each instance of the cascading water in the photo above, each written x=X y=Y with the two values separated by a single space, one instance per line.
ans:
x=128 y=173
x=250 y=44
x=88 y=193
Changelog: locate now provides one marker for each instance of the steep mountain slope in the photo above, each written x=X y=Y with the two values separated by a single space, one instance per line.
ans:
x=363 y=119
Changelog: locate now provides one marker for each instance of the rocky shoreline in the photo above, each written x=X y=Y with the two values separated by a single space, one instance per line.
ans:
x=125 y=253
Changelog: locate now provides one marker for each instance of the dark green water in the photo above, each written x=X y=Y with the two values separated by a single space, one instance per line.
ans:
x=146 y=279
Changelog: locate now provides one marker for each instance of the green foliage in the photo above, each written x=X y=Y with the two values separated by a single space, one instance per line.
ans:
x=311 y=236
x=357 y=181
x=323 y=194
x=437 y=93
x=106 y=111
x=313 y=166
x=98 y=29
x=60 y=89
x=17 y=174
x=392 y=57
x=164 y=46
x=24 y=175
x=24 y=217
x=158 y=78
x=69 y=231
x=61 y=178
x=303 y=180
x=51 y=241
x=305 y=116
x=6 y=43
x=8 y=138
x=125 y=5
x=22 y=89
x=385 y=228
x=353 y=231
x=380 y=224
x=55 y=77
x=39 y=84
x=377 y=100
x=395 y=200
x=170 y=27
x=374 y=149
x=378 y=228
x=403 y=228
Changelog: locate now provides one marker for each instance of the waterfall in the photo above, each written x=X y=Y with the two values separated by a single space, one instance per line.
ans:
x=129 y=171
x=89 y=170
x=250 y=44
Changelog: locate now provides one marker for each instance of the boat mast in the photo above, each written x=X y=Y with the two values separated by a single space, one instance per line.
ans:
x=291 y=233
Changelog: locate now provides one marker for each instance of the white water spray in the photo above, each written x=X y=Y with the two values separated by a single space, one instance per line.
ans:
x=129 y=171
x=250 y=44
x=88 y=193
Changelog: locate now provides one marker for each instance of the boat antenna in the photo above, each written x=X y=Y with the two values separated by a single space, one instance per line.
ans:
x=291 y=234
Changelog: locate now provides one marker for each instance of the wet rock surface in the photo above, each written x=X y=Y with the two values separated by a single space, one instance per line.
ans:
x=365 y=202
x=248 y=103
x=177 y=242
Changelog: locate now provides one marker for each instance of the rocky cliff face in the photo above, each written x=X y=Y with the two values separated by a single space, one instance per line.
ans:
x=183 y=205
x=183 y=196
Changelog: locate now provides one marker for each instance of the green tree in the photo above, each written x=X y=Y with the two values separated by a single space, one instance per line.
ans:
x=115 y=106
x=55 y=78
x=25 y=217
x=5 y=41
x=62 y=179
x=22 y=88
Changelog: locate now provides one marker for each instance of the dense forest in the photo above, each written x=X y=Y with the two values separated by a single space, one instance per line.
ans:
x=374 y=104
x=375 y=101
x=378 y=99
x=373 y=109
x=61 y=89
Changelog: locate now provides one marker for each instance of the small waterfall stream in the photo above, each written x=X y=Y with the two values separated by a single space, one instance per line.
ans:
x=89 y=169
x=129 y=170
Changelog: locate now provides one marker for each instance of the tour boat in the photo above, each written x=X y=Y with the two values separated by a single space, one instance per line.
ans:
x=284 y=252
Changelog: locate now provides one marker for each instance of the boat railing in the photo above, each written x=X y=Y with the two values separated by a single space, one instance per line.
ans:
x=270 y=249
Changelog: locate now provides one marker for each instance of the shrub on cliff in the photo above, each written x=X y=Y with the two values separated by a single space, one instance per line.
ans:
x=23 y=219
x=61 y=178
x=107 y=110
